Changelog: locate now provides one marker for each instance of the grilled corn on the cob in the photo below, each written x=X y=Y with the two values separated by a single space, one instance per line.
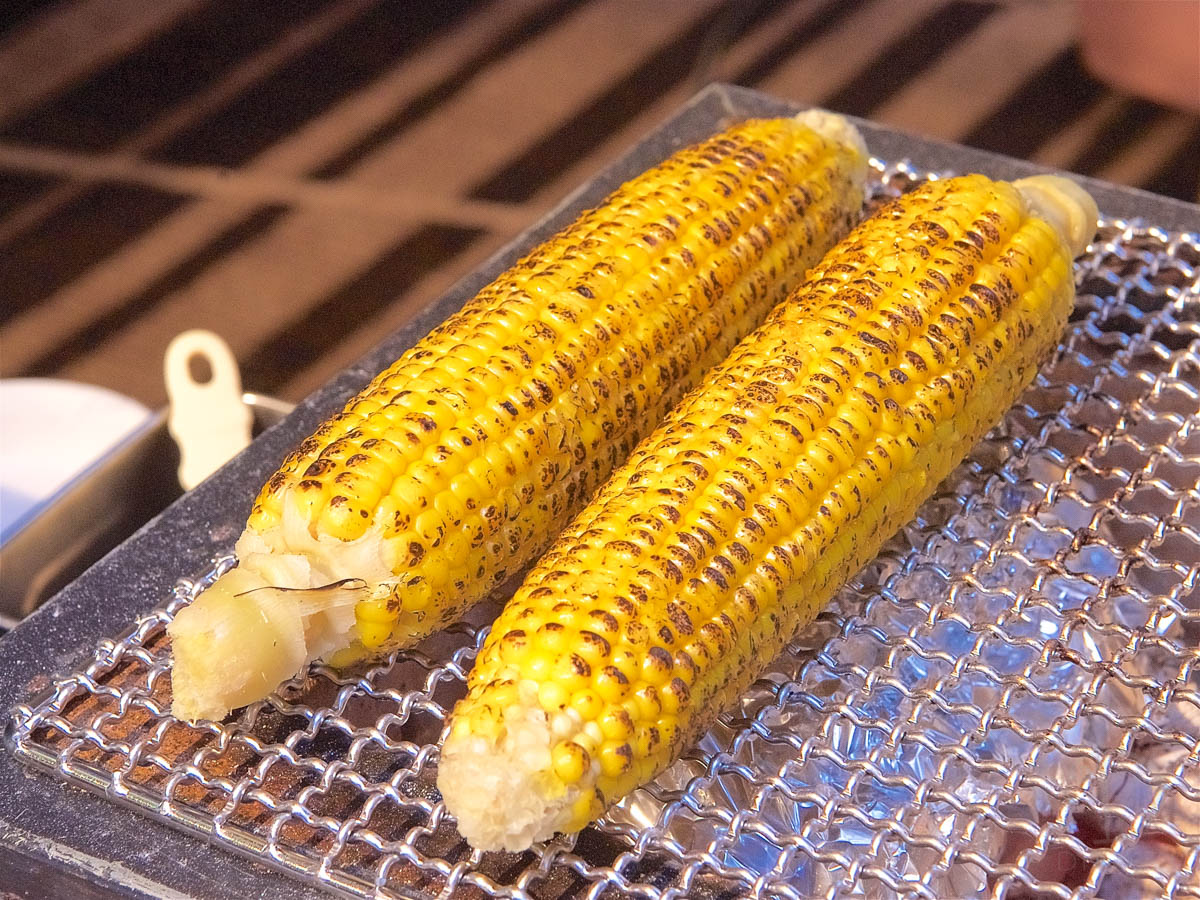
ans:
x=760 y=494
x=460 y=463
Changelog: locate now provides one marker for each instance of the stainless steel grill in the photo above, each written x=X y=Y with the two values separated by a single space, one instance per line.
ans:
x=1006 y=702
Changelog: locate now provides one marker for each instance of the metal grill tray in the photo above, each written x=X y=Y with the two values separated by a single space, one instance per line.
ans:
x=1006 y=702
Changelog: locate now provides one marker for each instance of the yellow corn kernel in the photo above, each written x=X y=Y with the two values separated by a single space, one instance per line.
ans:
x=570 y=761
x=373 y=634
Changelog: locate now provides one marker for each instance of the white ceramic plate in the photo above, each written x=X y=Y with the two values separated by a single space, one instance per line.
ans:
x=50 y=431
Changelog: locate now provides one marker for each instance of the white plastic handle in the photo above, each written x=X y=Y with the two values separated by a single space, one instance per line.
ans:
x=208 y=419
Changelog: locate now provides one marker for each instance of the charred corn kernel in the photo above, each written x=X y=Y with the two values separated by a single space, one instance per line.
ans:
x=616 y=758
x=770 y=485
x=461 y=461
x=570 y=761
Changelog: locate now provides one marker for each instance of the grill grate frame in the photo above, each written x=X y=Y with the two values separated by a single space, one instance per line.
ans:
x=1005 y=703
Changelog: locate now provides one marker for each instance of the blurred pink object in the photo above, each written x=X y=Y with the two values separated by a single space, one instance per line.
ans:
x=1146 y=47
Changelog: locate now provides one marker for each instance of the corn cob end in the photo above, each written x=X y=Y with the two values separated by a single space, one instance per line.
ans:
x=840 y=131
x=498 y=774
x=242 y=637
x=1065 y=205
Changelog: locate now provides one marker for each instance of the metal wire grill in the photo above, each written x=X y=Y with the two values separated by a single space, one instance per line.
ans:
x=1005 y=703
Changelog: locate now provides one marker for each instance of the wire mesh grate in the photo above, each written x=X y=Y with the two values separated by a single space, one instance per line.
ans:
x=1005 y=703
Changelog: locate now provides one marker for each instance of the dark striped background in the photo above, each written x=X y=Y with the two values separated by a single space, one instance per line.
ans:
x=303 y=175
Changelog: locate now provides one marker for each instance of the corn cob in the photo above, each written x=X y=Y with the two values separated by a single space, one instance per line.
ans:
x=457 y=465
x=759 y=495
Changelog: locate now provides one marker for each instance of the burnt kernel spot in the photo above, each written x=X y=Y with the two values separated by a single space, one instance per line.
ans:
x=309 y=485
x=636 y=633
x=553 y=626
x=606 y=618
x=916 y=360
x=762 y=392
x=624 y=606
x=898 y=377
x=338 y=500
x=584 y=291
x=877 y=342
x=932 y=228
x=739 y=500
x=660 y=658
x=746 y=596
x=615 y=674
x=509 y=407
x=739 y=552
x=694 y=545
x=357 y=459
x=426 y=423
x=579 y=666
x=713 y=632
x=679 y=688
x=666 y=635
x=623 y=547
x=592 y=639
x=724 y=564
x=751 y=526
x=986 y=225
x=318 y=468
x=717 y=577
x=989 y=297
x=679 y=618
x=684 y=660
